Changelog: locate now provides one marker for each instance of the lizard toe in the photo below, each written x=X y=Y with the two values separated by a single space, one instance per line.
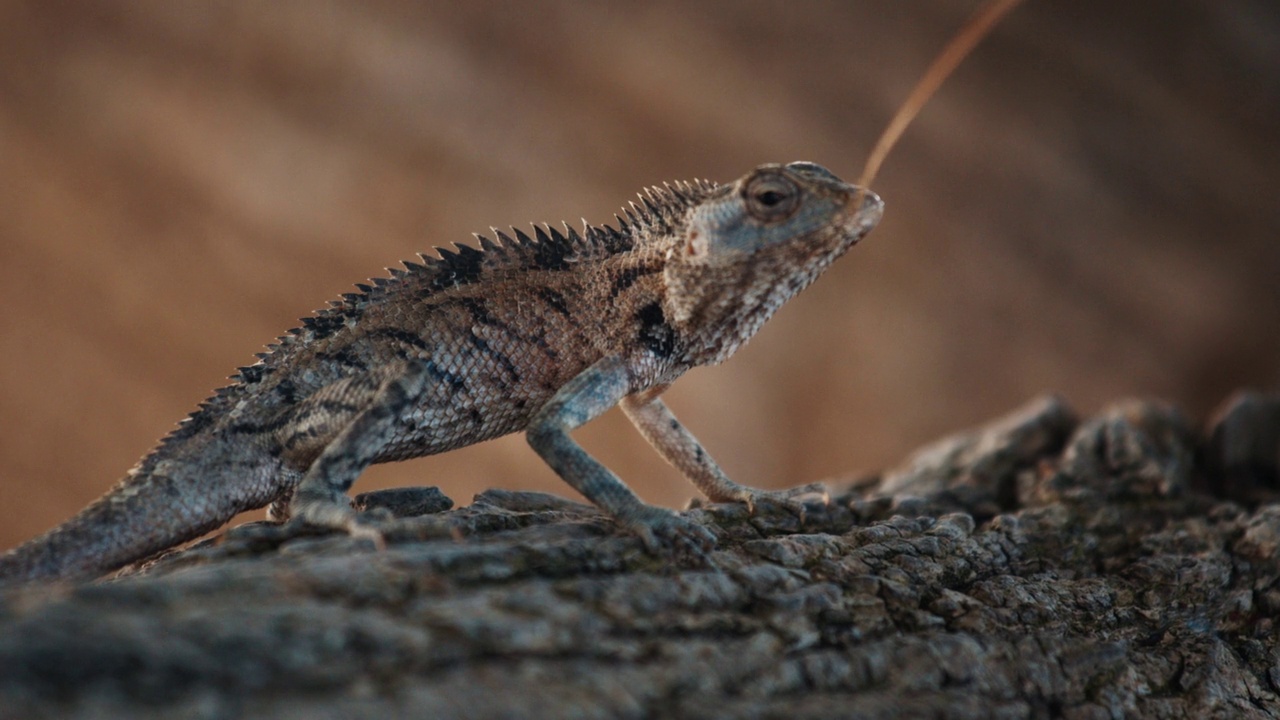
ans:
x=791 y=500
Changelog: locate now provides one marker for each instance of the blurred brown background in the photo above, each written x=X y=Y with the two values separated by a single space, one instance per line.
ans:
x=1089 y=207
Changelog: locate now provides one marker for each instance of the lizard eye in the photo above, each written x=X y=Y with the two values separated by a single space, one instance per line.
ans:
x=771 y=197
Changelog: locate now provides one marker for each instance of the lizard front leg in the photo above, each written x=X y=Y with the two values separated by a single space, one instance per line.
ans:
x=680 y=448
x=582 y=399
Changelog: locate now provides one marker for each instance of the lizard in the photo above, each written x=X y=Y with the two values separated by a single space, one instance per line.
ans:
x=537 y=333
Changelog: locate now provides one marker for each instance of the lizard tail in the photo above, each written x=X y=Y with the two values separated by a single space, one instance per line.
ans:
x=163 y=503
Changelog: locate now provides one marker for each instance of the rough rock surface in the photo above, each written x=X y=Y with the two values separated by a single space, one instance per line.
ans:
x=1123 y=566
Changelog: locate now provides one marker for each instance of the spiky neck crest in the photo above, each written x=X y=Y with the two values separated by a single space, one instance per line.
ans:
x=660 y=211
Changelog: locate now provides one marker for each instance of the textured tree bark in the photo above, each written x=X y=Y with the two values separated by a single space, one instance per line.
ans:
x=1124 y=566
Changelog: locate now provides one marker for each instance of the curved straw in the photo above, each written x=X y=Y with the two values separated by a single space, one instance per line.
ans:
x=979 y=24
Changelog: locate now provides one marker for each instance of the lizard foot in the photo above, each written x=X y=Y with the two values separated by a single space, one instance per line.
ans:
x=788 y=500
x=336 y=516
x=664 y=532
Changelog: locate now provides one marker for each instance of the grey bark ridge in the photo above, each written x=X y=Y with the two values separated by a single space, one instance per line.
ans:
x=1037 y=567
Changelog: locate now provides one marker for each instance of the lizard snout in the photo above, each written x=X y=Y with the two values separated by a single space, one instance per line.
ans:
x=867 y=216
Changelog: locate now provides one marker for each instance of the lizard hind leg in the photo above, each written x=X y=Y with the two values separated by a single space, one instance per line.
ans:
x=368 y=416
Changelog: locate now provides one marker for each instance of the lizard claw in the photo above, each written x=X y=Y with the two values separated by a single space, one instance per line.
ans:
x=787 y=500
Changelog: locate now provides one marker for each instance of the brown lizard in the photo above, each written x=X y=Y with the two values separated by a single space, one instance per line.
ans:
x=538 y=334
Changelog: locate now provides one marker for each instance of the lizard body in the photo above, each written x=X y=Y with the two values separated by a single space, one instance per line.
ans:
x=538 y=333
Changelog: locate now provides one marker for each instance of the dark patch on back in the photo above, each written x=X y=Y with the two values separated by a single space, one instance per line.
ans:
x=551 y=258
x=253 y=373
x=655 y=333
x=346 y=357
x=406 y=337
x=498 y=357
x=551 y=252
x=555 y=300
x=287 y=390
x=259 y=428
x=479 y=311
x=615 y=241
x=622 y=281
x=628 y=277
x=329 y=322
x=540 y=341
x=457 y=268
x=204 y=417
x=456 y=383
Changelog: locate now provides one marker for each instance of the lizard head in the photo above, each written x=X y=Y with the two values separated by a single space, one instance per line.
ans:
x=751 y=245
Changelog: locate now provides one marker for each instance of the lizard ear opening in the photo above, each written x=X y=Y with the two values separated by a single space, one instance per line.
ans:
x=695 y=244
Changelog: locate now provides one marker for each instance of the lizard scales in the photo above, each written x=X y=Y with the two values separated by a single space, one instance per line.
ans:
x=537 y=333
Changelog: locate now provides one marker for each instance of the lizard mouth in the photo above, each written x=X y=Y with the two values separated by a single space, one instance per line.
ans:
x=863 y=219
